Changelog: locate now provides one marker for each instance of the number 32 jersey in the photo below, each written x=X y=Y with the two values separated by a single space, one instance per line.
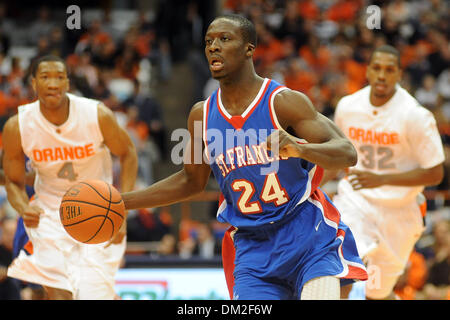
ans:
x=64 y=154
x=396 y=137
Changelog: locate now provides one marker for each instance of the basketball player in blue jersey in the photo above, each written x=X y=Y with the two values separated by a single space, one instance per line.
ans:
x=286 y=239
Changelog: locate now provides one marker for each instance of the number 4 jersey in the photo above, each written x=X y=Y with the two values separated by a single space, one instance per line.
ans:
x=258 y=188
x=64 y=154
x=396 y=137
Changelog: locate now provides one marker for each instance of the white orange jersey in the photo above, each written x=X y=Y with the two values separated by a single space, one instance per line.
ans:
x=397 y=137
x=64 y=154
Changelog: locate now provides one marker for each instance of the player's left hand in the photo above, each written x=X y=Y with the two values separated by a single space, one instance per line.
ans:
x=287 y=146
x=118 y=238
x=364 y=179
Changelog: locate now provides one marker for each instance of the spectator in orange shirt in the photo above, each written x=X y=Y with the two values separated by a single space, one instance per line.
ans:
x=343 y=10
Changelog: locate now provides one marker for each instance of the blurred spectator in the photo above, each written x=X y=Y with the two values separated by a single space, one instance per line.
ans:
x=6 y=24
x=57 y=43
x=148 y=224
x=439 y=264
x=41 y=27
x=151 y=113
x=201 y=243
x=167 y=245
x=427 y=94
x=139 y=134
x=420 y=67
x=93 y=39
x=325 y=29
x=9 y=288
x=85 y=69
x=413 y=278
x=443 y=84
x=269 y=48
x=5 y=42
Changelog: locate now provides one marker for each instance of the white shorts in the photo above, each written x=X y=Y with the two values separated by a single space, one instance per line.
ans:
x=59 y=261
x=385 y=237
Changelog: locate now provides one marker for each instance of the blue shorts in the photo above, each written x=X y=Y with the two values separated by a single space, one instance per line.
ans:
x=275 y=261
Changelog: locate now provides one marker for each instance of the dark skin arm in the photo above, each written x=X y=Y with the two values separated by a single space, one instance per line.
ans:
x=327 y=146
x=415 y=177
x=180 y=186
x=29 y=175
x=15 y=176
x=119 y=143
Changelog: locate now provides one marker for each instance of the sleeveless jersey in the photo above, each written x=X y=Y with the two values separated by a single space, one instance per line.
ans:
x=399 y=136
x=62 y=155
x=257 y=187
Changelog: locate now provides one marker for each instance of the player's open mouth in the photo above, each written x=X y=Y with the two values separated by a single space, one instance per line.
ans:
x=380 y=86
x=216 y=64
x=54 y=95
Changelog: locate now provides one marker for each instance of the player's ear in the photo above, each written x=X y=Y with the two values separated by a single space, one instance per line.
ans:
x=250 y=50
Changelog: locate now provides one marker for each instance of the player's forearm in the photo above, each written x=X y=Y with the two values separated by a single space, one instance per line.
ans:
x=175 y=188
x=128 y=171
x=17 y=196
x=416 y=177
x=334 y=154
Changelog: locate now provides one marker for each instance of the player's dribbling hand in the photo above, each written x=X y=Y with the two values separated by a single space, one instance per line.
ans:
x=281 y=143
x=31 y=216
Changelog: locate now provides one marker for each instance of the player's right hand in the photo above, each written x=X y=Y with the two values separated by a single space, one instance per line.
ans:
x=31 y=216
x=281 y=143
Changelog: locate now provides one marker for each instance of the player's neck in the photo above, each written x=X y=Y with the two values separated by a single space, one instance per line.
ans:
x=236 y=95
x=56 y=114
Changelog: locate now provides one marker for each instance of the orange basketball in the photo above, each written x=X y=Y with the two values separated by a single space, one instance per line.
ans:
x=92 y=211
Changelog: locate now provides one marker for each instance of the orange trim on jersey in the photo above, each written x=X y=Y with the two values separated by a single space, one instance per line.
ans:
x=423 y=208
x=354 y=272
x=228 y=256
x=29 y=247
x=238 y=121
x=329 y=210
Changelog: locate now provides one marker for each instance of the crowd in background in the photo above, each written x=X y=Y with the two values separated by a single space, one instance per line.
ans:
x=318 y=47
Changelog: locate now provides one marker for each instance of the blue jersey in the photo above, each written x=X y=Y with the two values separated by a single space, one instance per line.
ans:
x=258 y=188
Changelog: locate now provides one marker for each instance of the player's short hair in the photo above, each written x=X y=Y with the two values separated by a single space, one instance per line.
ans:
x=46 y=58
x=247 y=27
x=387 y=49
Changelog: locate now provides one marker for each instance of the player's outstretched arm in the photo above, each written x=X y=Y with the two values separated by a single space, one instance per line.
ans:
x=183 y=184
x=14 y=170
x=326 y=144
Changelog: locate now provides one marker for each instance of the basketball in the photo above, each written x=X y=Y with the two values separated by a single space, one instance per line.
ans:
x=92 y=211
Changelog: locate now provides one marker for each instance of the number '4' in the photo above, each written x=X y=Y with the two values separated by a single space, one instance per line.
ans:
x=271 y=192
x=67 y=172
